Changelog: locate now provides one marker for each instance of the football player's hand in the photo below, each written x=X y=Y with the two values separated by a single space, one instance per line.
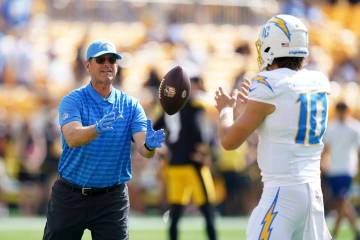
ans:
x=154 y=139
x=223 y=99
x=105 y=124
x=241 y=95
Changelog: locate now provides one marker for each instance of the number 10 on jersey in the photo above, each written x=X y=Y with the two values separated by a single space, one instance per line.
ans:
x=312 y=118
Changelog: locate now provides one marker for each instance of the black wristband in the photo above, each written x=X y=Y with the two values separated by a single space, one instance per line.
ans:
x=147 y=148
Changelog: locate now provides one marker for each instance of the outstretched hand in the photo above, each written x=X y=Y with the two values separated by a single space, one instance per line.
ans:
x=236 y=100
x=154 y=139
x=223 y=99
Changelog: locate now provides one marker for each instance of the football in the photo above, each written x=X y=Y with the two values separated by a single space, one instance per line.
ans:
x=174 y=90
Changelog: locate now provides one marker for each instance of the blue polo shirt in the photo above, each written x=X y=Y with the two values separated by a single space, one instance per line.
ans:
x=106 y=160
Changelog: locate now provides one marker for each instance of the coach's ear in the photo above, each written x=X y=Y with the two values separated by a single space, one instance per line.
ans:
x=87 y=65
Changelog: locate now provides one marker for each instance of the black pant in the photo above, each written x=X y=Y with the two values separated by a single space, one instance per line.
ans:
x=207 y=211
x=70 y=213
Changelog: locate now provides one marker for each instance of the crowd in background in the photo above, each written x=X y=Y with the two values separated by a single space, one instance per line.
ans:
x=41 y=59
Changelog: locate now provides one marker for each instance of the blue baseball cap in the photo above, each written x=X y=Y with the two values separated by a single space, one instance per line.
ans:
x=98 y=48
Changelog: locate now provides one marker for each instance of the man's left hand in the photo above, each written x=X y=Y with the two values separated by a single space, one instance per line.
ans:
x=154 y=139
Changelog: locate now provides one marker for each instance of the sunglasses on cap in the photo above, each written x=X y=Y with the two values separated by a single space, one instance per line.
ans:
x=102 y=59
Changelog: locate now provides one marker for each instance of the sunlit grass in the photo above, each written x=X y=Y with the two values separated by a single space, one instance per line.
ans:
x=141 y=228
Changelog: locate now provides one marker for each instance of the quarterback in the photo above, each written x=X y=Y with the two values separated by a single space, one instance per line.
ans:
x=287 y=105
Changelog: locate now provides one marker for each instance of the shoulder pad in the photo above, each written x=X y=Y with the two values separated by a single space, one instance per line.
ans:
x=260 y=79
x=261 y=88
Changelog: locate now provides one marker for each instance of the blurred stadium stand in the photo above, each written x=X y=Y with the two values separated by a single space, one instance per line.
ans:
x=41 y=57
x=186 y=11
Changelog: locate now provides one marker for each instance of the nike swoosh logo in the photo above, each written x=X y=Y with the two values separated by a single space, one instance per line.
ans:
x=251 y=89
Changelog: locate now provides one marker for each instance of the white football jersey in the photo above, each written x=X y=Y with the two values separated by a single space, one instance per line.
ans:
x=290 y=139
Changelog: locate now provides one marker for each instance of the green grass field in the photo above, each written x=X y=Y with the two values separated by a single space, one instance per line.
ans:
x=143 y=228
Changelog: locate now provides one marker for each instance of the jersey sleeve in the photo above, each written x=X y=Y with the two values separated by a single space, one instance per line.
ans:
x=139 y=120
x=261 y=90
x=69 y=109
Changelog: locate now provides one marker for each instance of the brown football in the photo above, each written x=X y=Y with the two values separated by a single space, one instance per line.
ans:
x=174 y=90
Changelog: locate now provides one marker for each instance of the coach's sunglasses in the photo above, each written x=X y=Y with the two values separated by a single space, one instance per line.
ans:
x=102 y=59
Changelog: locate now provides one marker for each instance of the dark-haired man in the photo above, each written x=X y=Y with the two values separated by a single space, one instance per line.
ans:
x=288 y=106
x=98 y=125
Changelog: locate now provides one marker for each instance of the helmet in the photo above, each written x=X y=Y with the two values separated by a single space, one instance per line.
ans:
x=281 y=36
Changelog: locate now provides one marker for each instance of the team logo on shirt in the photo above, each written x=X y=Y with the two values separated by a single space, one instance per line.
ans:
x=268 y=220
x=65 y=116
x=263 y=80
x=280 y=23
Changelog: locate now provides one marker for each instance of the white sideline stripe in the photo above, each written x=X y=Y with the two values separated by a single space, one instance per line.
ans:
x=136 y=223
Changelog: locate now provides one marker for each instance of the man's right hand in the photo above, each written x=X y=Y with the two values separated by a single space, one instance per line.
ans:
x=106 y=123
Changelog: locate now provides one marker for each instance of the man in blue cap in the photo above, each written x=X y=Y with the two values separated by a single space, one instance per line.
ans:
x=98 y=124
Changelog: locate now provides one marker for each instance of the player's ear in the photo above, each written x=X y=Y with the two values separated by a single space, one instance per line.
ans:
x=87 y=65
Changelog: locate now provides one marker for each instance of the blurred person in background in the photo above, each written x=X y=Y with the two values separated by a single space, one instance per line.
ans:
x=2 y=58
x=279 y=103
x=345 y=72
x=19 y=61
x=98 y=125
x=15 y=13
x=306 y=9
x=342 y=144
x=32 y=150
x=53 y=152
x=78 y=64
x=8 y=184
x=232 y=166
x=59 y=73
x=153 y=79
x=188 y=174
x=340 y=1
x=16 y=54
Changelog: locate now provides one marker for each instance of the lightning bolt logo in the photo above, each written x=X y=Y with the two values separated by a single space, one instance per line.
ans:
x=280 y=23
x=262 y=80
x=268 y=220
